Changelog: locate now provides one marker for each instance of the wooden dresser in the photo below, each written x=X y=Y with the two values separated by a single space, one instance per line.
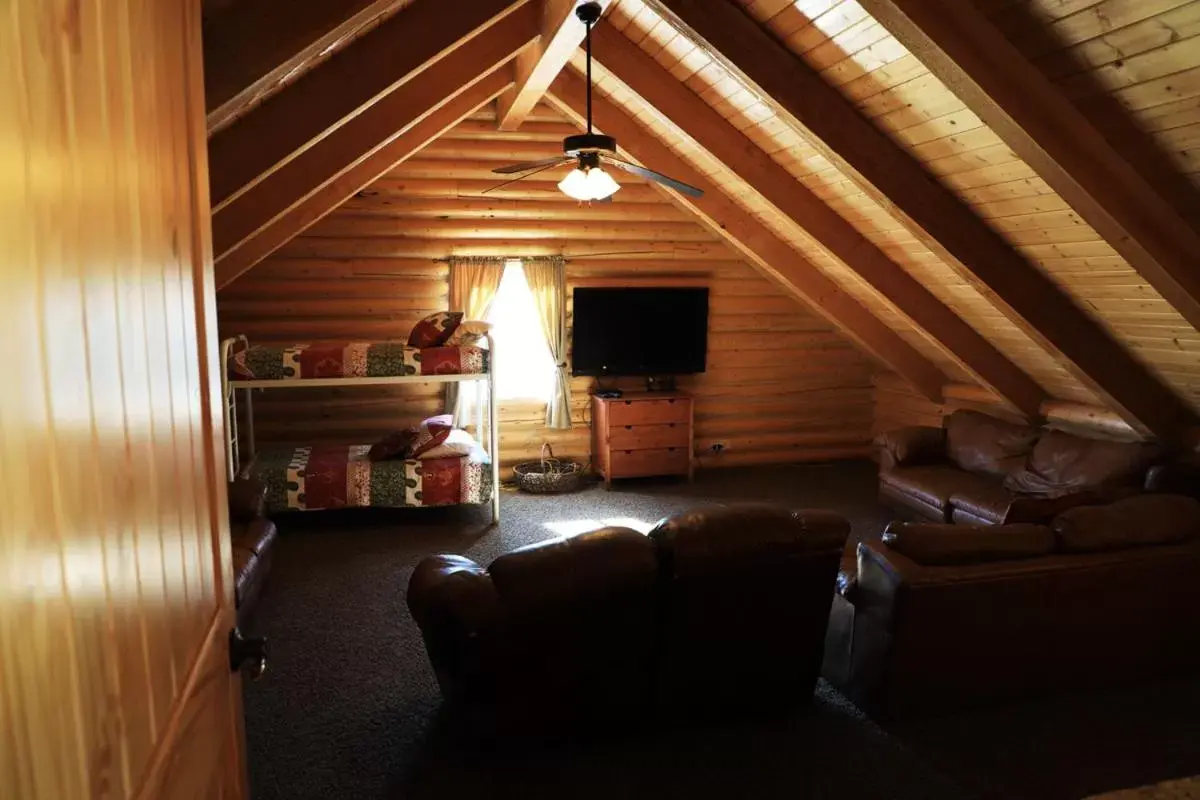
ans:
x=642 y=434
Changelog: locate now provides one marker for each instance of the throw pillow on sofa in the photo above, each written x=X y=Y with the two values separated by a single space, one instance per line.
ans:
x=1142 y=520
x=979 y=443
x=1063 y=464
x=435 y=329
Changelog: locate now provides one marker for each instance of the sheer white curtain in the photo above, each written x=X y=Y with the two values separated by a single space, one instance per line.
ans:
x=473 y=285
x=548 y=283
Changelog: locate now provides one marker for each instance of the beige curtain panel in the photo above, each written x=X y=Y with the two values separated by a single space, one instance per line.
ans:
x=548 y=282
x=473 y=286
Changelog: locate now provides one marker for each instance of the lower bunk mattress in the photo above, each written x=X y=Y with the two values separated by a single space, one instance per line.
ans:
x=340 y=476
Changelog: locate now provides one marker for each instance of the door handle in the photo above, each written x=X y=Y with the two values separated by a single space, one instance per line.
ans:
x=248 y=651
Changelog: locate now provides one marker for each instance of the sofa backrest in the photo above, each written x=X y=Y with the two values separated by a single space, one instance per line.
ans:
x=959 y=633
x=982 y=444
x=745 y=603
x=1062 y=463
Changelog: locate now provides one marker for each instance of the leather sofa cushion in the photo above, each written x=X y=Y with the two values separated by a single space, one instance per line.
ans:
x=989 y=502
x=934 y=485
x=257 y=536
x=983 y=444
x=935 y=544
x=708 y=539
x=608 y=561
x=247 y=499
x=1142 y=520
x=1062 y=464
x=910 y=446
x=245 y=573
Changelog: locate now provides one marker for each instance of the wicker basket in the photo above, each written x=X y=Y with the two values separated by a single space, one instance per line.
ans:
x=548 y=474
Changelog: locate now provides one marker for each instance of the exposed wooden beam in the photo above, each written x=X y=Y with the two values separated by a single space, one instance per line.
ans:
x=762 y=248
x=962 y=48
x=892 y=176
x=319 y=204
x=561 y=33
x=345 y=85
x=254 y=47
x=385 y=120
x=683 y=108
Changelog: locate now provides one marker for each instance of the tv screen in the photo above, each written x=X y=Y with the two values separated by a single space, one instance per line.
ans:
x=650 y=331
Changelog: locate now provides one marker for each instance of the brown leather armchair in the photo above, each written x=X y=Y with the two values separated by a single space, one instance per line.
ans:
x=715 y=611
x=941 y=616
x=744 y=602
x=554 y=636
x=979 y=470
x=253 y=537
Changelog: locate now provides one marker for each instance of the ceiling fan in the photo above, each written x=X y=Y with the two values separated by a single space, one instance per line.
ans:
x=589 y=181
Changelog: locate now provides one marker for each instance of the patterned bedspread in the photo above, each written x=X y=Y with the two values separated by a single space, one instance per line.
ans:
x=340 y=476
x=353 y=360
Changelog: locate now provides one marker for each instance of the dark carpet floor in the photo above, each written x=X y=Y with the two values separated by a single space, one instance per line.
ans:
x=349 y=708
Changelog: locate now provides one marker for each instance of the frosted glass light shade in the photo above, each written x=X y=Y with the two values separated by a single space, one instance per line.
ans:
x=590 y=184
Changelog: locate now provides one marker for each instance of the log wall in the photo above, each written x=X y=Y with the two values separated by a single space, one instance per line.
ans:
x=781 y=384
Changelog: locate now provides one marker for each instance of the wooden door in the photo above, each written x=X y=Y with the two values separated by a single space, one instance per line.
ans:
x=115 y=576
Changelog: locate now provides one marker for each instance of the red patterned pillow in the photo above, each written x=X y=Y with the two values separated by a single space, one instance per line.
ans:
x=431 y=433
x=434 y=330
x=397 y=445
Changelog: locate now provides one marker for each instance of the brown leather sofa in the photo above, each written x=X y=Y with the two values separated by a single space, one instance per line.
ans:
x=943 y=616
x=253 y=537
x=714 y=612
x=979 y=470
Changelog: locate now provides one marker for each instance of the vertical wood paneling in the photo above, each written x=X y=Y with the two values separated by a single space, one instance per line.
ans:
x=781 y=385
x=113 y=570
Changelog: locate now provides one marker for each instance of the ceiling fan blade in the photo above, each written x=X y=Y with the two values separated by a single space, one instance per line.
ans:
x=650 y=174
x=543 y=168
x=528 y=165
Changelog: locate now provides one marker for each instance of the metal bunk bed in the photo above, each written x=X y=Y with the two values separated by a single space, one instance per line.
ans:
x=232 y=387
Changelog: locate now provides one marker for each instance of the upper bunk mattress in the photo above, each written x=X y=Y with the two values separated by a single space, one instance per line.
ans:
x=353 y=360
x=342 y=476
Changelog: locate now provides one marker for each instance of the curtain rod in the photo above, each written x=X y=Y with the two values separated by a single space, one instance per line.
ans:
x=501 y=259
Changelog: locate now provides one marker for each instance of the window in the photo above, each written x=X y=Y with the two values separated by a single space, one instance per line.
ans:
x=524 y=368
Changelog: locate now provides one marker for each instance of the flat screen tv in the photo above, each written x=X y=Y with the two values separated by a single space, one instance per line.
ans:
x=642 y=331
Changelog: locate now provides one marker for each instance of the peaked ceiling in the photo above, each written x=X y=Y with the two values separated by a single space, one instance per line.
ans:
x=996 y=192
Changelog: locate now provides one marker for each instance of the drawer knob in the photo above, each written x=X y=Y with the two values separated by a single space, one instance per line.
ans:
x=628 y=402
x=628 y=427
x=672 y=400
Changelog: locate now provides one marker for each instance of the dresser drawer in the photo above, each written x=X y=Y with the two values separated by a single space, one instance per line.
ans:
x=648 y=412
x=649 y=437
x=663 y=461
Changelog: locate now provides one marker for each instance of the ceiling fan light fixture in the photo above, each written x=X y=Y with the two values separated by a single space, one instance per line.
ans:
x=588 y=183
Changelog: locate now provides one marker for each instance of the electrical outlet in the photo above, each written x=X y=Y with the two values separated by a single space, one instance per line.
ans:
x=718 y=447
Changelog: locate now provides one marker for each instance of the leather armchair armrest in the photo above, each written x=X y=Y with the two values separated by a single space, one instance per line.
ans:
x=1178 y=477
x=916 y=444
x=456 y=606
x=247 y=500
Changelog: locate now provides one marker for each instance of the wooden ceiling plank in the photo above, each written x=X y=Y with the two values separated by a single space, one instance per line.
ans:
x=347 y=84
x=254 y=47
x=316 y=206
x=891 y=176
x=385 y=120
x=770 y=254
x=1041 y=125
x=561 y=34
x=687 y=111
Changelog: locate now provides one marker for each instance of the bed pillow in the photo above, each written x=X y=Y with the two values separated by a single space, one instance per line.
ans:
x=431 y=433
x=469 y=333
x=396 y=445
x=434 y=330
x=458 y=444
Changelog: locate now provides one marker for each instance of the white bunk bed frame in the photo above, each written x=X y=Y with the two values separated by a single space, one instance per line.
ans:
x=485 y=383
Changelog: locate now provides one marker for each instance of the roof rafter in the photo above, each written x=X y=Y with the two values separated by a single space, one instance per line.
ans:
x=692 y=115
x=317 y=205
x=961 y=47
x=889 y=174
x=250 y=49
x=386 y=119
x=348 y=83
x=561 y=33
x=770 y=254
